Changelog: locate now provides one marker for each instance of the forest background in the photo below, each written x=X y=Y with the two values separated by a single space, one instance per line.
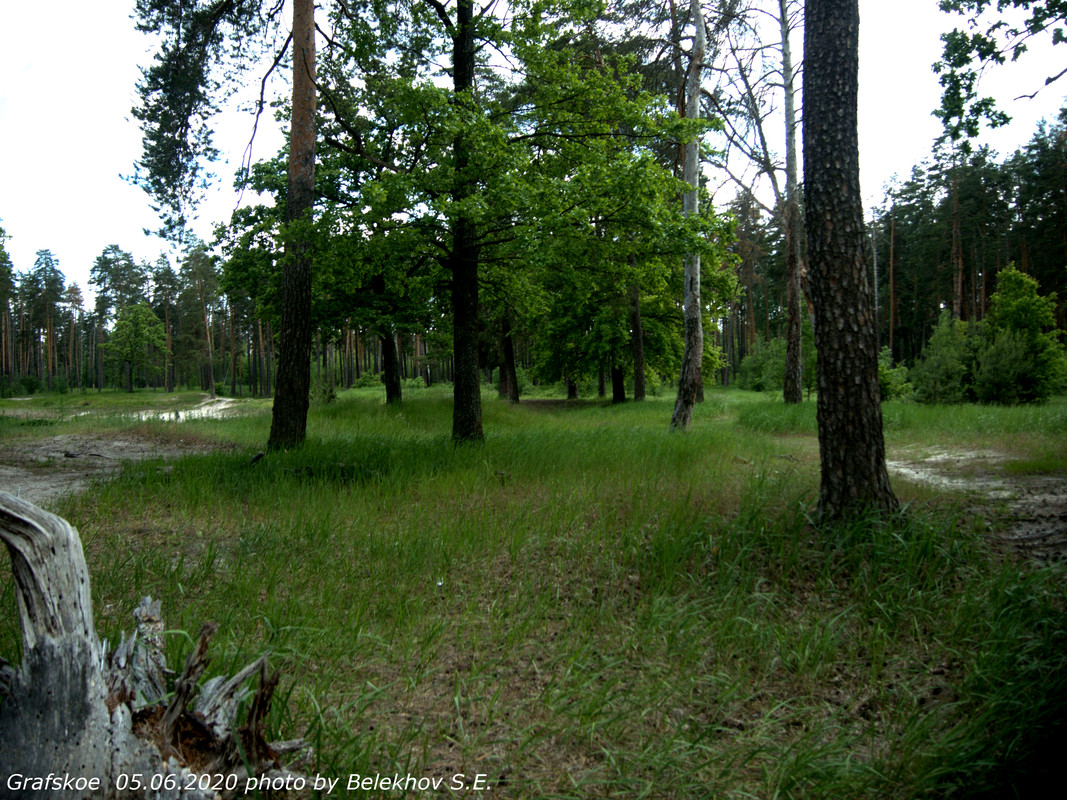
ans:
x=936 y=240
x=586 y=604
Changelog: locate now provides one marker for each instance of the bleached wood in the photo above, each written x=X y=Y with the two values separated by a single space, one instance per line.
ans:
x=74 y=708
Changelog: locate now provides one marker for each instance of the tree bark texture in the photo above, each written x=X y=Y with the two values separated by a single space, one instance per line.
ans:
x=851 y=444
x=74 y=708
x=289 y=421
x=792 y=391
x=618 y=385
x=689 y=383
x=390 y=368
x=463 y=262
x=637 y=335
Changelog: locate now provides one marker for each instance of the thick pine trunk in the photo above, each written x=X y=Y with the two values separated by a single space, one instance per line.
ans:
x=618 y=385
x=851 y=445
x=289 y=422
x=690 y=382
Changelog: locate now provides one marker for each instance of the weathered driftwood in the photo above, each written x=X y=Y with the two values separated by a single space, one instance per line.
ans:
x=78 y=720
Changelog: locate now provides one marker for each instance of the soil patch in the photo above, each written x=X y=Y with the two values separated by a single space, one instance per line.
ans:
x=1028 y=513
x=43 y=470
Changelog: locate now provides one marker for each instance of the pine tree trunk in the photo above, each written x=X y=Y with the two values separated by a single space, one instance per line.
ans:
x=289 y=421
x=957 y=249
x=618 y=385
x=99 y=358
x=233 y=357
x=210 y=374
x=689 y=383
x=851 y=445
x=892 y=287
x=169 y=369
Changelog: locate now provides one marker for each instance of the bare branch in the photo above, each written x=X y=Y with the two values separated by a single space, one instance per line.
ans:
x=246 y=157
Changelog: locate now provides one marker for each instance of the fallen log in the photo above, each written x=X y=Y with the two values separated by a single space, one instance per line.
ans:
x=78 y=720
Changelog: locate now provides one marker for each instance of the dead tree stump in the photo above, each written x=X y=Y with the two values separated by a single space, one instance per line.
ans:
x=78 y=720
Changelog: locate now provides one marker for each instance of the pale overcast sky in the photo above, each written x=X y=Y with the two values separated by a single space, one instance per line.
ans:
x=68 y=70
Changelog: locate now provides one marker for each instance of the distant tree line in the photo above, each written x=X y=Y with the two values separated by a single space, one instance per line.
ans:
x=154 y=326
x=936 y=244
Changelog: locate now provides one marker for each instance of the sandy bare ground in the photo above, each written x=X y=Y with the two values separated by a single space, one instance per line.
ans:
x=43 y=470
x=1027 y=513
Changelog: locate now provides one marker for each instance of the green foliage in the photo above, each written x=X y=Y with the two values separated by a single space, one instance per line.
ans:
x=1018 y=307
x=893 y=381
x=1024 y=362
x=994 y=39
x=26 y=385
x=943 y=373
x=119 y=281
x=763 y=370
x=1005 y=370
x=138 y=339
x=203 y=46
x=1009 y=358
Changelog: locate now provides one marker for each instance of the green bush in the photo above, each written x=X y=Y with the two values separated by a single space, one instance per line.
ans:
x=1017 y=367
x=1012 y=357
x=763 y=370
x=367 y=380
x=1024 y=346
x=893 y=381
x=941 y=374
x=27 y=384
x=1005 y=369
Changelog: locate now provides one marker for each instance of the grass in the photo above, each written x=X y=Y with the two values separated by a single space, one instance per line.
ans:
x=589 y=606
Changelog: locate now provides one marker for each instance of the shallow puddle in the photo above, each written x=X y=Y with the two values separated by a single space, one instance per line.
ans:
x=1030 y=510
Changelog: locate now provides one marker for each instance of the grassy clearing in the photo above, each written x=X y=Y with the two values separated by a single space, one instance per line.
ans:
x=590 y=606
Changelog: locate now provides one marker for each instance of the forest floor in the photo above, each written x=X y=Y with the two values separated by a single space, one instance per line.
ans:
x=1025 y=512
x=42 y=470
x=586 y=605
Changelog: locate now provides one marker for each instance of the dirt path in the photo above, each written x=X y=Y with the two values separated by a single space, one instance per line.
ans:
x=1028 y=513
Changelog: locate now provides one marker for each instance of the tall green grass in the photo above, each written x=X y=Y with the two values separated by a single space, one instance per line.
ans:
x=588 y=605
